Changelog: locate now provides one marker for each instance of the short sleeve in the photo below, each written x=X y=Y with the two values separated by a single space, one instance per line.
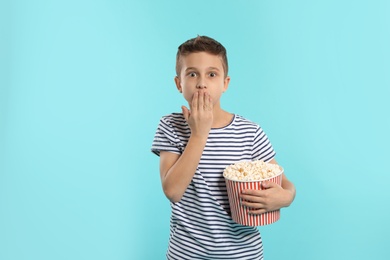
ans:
x=262 y=147
x=166 y=138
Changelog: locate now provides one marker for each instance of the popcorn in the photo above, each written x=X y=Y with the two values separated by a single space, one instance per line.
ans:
x=245 y=175
x=251 y=171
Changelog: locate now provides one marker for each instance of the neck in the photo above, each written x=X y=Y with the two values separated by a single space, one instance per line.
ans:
x=221 y=118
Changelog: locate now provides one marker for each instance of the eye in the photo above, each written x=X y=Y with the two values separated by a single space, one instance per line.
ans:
x=212 y=74
x=192 y=74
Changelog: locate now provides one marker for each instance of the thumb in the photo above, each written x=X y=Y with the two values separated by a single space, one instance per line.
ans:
x=186 y=112
x=268 y=184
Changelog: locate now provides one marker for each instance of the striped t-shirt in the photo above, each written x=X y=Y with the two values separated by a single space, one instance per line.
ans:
x=201 y=226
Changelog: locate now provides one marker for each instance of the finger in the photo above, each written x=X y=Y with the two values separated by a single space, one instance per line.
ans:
x=254 y=208
x=252 y=205
x=252 y=192
x=269 y=184
x=201 y=100
x=255 y=199
x=186 y=112
x=194 y=102
x=208 y=104
x=257 y=211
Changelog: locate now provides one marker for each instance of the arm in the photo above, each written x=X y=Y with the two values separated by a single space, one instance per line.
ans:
x=273 y=197
x=286 y=185
x=177 y=171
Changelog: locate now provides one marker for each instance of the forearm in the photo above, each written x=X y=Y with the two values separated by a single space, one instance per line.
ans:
x=177 y=178
x=288 y=186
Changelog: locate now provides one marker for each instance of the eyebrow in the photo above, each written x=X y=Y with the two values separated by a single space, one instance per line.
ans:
x=209 y=68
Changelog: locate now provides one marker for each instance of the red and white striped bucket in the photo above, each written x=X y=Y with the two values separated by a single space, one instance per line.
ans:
x=239 y=212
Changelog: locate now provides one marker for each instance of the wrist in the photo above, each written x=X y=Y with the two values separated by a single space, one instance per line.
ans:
x=289 y=197
x=199 y=137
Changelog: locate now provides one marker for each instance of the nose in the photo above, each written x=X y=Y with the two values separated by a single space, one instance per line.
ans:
x=200 y=85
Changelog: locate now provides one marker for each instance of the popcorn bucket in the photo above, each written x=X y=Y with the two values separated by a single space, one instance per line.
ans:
x=239 y=212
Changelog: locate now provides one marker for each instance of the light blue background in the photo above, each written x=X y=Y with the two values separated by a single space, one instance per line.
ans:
x=84 y=83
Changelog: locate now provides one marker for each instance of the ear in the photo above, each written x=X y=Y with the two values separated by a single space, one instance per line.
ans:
x=178 y=84
x=226 y=83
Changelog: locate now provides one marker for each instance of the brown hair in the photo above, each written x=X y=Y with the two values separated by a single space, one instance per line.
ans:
x=199 y=44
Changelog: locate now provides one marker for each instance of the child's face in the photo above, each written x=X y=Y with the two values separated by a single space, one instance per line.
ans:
x=202 y=71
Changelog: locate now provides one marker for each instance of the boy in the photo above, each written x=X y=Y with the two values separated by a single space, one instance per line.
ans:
x=195 y=146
